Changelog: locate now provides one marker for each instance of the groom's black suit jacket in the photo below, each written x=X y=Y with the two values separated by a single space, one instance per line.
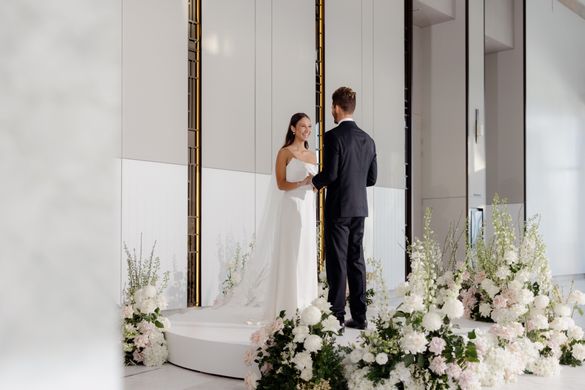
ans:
x=349 y=167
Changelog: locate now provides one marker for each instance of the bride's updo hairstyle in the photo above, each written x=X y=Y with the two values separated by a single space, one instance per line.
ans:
x=290 y=137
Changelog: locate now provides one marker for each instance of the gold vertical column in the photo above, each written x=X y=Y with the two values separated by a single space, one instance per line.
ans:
x=194 y=149
x=320 y=119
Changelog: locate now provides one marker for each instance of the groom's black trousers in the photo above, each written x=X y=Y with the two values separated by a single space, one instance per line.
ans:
x=344 y=256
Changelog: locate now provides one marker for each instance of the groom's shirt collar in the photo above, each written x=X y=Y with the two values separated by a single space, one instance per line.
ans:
x=345 y=120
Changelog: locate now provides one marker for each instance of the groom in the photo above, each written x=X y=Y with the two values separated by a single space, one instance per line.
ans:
x=350 y=166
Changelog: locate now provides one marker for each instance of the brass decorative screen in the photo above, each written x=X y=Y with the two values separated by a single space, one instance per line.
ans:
x=320 y=118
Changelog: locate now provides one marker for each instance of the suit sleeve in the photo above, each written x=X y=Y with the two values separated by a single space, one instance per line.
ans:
x=373 y=171
x=331 y=163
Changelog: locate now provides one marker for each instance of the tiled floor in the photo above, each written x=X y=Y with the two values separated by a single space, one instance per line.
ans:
x=170 y=377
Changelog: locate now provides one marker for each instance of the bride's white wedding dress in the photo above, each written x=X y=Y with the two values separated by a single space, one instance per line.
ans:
x=293 y=283
x=281 y=273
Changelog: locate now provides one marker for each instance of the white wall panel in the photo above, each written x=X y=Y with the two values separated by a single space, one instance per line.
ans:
x=263 y=88
x=154 y=204
x=388 y=91
x=228 y=219
x=389 y=234
x=293 y=64
x=228 y=67
x=555 y=130
x=476 y=159
x=446 y=212
x=154 y=89
x=343 y=54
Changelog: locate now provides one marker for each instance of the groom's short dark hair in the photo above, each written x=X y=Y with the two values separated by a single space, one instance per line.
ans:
x=344 y=97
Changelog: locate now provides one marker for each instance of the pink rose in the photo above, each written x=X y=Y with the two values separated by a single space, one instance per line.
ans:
x=259 y=337
x=438 y=365
x=137 y=356
x=437 y=345
x=453 y=371
x=500 y=302
x=479 y=277
x=266 y=367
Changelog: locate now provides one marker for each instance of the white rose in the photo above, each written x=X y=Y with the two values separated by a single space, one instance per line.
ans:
x=307 y=374
x=368 y=357
x=579 y=351
x=453 y=308
x=511 y=256
x=381 y=358
x=541 y=302
x=322 y=304
x=310 y=315
x=485 y=309
x=303 y=360
x=515 y=285
x=537 y=322
x=313 y=343
x=300 y=333
x=331 y=324
x=356 y=355
x=575 y=333
x=576 y=297
x=432 y=321
x=562 y=310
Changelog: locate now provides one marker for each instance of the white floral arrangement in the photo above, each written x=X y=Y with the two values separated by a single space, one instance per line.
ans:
x=377 y=297
x=510 y=283
x=415 y=347
x=143 y=326
x=235 y=270
x=298 y=352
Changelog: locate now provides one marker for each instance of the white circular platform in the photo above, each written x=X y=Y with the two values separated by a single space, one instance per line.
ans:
x=207 y=340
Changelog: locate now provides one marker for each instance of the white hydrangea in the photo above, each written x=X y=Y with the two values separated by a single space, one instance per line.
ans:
x=537 y=322
x=576 y=297
x=562 y=310
x=413 y=342
x=490 y=287
x=453 y=308
x=356 y=355
x=545 y=366
x=541 y=302
x=147 y=306
x=155 y=355
x=311 y=315
x=525 y=297
x=432 y=321
x=313 y=343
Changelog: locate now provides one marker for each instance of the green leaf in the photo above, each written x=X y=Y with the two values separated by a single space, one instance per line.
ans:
x=158 y=324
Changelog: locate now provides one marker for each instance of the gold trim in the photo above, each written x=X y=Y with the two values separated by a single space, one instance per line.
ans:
x=320 y=100
x=194 y=149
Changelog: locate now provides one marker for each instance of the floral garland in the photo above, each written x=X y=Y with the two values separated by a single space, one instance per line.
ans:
x=377 y=298
x=298 y=352
x=143 y=325
x=415 y=346
x=235 y=269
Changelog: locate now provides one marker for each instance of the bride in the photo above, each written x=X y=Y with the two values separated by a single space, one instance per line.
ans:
x=294 y=267
x=281 y=273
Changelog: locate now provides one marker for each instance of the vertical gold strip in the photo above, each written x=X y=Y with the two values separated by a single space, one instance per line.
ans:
x=194 y=149
x=320 y=100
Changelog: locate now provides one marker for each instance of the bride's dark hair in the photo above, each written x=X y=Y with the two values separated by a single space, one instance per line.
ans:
x=290 y=137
